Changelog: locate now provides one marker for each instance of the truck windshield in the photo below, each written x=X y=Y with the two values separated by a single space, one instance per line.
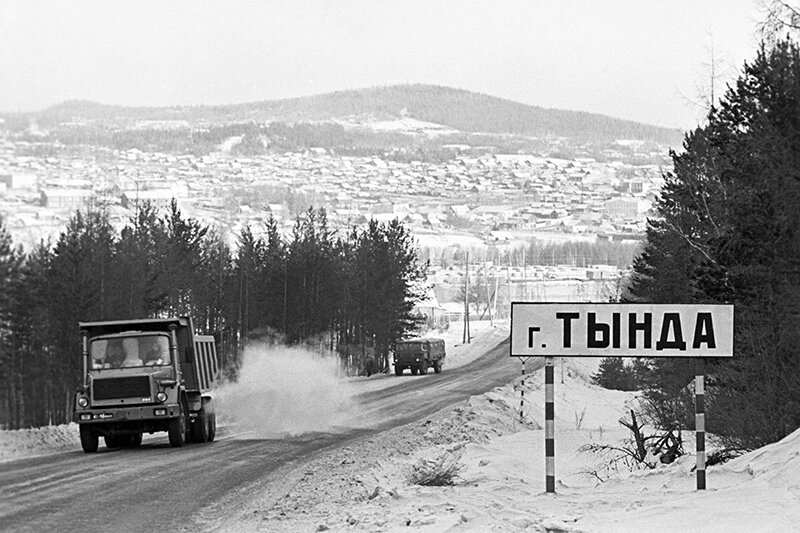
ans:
x=126 y=352
x=412 y=346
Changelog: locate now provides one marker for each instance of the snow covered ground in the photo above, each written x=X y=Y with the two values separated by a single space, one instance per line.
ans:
x=366 y=487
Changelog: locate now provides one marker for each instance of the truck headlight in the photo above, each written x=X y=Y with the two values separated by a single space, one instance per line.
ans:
x=161 y=396
x=83 y=401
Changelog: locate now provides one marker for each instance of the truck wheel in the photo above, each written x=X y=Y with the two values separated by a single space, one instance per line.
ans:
x=134 y=441
x=212 y=426
x=398 y=370
x=176 y=430
x=414 y=371
x=89 y=439
x=200 y=427
x=211 y=419
x=424 y=368
x=112 y=442
x=437 y=367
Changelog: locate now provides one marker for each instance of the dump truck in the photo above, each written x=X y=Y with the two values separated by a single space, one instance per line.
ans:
x=419 y=355
x=143 y=376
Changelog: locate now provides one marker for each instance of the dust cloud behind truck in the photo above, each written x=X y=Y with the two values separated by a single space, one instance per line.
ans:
x=144 y=376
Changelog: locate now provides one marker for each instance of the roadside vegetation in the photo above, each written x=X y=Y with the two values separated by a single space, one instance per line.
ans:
x=728 y=231
x=442 y=471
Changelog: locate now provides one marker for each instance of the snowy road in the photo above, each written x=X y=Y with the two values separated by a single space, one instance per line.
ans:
x=193 y=488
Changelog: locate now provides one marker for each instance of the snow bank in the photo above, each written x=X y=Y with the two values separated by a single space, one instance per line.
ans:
x=777 y=464
x=365 y=487
x=20 y=443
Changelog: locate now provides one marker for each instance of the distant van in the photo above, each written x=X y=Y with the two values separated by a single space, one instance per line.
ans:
x=419 y=355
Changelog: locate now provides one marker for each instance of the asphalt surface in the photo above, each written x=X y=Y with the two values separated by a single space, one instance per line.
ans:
x=160 y=488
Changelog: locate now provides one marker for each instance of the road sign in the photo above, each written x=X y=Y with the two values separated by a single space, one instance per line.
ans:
x=621 y=330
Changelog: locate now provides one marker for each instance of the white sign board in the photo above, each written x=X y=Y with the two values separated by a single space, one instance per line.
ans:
x=621 y=330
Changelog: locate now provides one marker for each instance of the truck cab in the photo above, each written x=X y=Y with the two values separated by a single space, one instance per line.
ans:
x=418 y=355
x=144 y=376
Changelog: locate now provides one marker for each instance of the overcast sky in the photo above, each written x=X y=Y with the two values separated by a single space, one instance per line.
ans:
x=635 y=59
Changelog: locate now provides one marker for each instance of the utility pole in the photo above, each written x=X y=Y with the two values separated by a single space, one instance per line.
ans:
x=488 y=295
x=466 y=336
x=525 y=276
x=285 y=294
x=496 y=290
x=508 y=283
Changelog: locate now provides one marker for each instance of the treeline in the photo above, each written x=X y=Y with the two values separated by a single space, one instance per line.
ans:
x=252 y=139
x=728 y=231
x=541 y=253
x=350 y=295
x=580 y=253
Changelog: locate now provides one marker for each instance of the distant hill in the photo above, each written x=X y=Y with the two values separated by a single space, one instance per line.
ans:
x=458 y=109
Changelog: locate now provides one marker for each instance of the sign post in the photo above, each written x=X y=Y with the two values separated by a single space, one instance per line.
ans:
x=552 y=330
x=549 y=426
x=522 y=393
x=700 y=429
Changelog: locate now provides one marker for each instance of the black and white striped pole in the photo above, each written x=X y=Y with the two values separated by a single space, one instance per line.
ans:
x=549 y=426
x=564 y=329
x=522 y=394
x=700 y=429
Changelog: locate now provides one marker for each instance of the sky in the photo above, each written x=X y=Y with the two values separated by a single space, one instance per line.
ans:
x=643 y=60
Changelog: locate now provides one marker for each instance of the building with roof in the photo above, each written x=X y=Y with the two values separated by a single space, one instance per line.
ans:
x=158 y=198
x=65 y=198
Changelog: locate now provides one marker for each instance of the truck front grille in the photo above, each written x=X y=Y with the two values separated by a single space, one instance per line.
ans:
x=119 y=388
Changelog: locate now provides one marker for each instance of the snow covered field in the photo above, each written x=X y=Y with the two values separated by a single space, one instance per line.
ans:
x=365 y=486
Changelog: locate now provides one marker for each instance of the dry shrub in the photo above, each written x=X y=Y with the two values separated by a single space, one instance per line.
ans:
x=442 y=471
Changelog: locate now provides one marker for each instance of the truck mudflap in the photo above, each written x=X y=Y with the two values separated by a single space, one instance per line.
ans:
x=125 y=414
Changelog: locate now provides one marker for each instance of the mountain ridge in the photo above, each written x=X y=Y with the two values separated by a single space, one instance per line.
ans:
x=463 y=110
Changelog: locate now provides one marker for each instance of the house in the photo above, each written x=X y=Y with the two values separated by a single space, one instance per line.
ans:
x=278 y=211
x=626 y=207
x=65 y=198
x=460 y=210
x=158 y=198
x=492 y=213
x=19 y=181
x=453 y=311
x=433 y=312
x=635 y=186
x=435 y=220
x=383 y=217
x=414 y=218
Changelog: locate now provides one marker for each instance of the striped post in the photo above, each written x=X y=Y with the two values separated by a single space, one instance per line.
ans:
x=700 y=429
x=549 y=426
x=522 y=395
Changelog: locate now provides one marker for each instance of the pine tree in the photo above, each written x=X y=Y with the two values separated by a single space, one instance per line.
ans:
x=78 y=285
x=729 y=231
x=389 y=281
x=32 y=343
x=10 y=373
x=135 y=264
x=179 y=259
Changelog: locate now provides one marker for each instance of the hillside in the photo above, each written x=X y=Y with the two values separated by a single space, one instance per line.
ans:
x=458 y=109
